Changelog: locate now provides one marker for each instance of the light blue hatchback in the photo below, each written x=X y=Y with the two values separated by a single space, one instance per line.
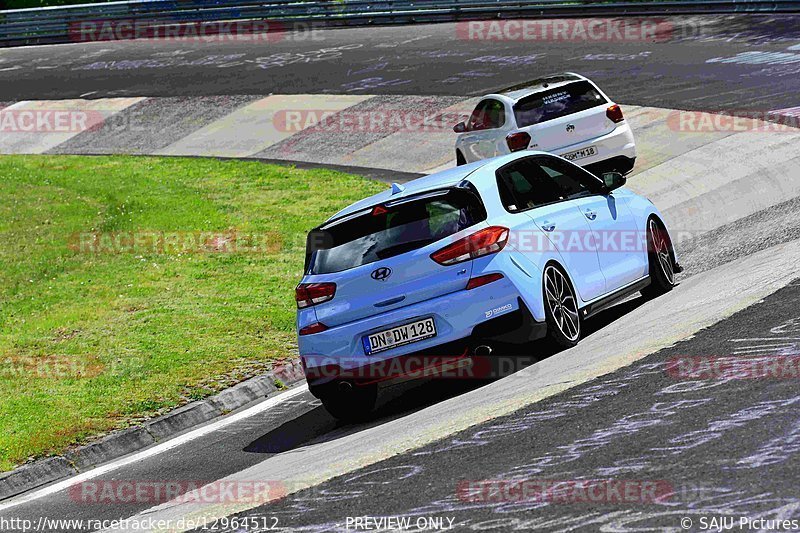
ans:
x=504 y=250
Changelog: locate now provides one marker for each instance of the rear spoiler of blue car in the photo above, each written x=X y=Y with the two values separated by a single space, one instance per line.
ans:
x=318 y=234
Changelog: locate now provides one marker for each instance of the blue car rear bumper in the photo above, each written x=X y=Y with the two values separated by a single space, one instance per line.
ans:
x=464 y=319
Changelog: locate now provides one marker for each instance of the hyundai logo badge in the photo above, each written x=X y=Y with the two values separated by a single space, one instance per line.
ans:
x=381 y=273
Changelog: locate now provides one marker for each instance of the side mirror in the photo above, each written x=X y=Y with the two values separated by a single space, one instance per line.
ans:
x=613 y=180
x=460 y=127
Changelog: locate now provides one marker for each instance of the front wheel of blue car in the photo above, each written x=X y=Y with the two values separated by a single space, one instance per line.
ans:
x=561 y=308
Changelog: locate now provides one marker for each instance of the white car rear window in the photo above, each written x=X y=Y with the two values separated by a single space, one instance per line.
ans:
x=556 y=103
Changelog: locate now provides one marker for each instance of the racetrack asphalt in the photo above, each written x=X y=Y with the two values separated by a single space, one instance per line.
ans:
x=719 y=446
x=700 y=63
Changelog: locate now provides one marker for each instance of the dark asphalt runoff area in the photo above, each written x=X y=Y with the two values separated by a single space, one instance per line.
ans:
x=700 y=63
x=692 y=442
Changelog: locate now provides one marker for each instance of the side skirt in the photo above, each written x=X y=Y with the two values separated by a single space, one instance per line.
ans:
x=615 y=297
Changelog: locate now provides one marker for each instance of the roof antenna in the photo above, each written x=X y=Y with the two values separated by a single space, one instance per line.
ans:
x=397 y=188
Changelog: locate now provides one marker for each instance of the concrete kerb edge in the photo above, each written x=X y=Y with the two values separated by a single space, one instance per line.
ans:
x=129 y=440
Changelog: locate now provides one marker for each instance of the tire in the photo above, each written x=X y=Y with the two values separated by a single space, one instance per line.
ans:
x=560 y=308
x=661 y=262
x=625 y=165
x=460 y=160
x=355 y=405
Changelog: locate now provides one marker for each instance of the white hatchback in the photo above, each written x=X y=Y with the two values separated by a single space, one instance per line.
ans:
x=565 y=114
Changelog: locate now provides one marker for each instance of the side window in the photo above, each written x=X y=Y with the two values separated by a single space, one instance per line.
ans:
x=488 y=114
x=571 y=179
x=476 y=119
x=533 y=182
x=495 y=114
x=524 y=185
x=568 y=182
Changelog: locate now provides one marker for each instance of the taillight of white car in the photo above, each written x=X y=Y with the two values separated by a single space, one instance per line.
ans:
x=614 y=114
x=518 y=140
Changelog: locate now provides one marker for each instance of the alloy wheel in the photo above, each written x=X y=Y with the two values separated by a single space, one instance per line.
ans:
x=562 y=303
x=661 y=249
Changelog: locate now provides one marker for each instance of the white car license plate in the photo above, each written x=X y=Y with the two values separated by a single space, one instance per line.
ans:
x=400 y=335
x=589 y=151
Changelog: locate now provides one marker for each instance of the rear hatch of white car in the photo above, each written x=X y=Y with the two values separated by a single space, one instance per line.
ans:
x=379 y=259
x=563 y=116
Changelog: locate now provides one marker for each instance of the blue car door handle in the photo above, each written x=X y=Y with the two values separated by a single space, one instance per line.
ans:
x=590 y=214
x=548 y=226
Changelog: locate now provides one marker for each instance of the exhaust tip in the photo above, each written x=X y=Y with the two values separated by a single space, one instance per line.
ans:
x=345 y=386
x=483 y=350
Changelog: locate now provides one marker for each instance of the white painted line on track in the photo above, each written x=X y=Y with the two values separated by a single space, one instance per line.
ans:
x=265 y=405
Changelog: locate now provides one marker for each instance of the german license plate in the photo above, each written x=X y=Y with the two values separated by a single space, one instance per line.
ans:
x=589 y=151
x=399 y=336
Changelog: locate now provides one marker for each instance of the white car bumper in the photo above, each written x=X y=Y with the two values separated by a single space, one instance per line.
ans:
x=618 y=143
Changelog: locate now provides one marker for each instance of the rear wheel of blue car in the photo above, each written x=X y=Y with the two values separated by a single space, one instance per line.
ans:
x=351 y=405
x=561 y=308
x=661 y=262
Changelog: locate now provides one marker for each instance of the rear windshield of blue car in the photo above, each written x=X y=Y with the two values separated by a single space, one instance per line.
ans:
x=556 y=103
x=391 y=229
